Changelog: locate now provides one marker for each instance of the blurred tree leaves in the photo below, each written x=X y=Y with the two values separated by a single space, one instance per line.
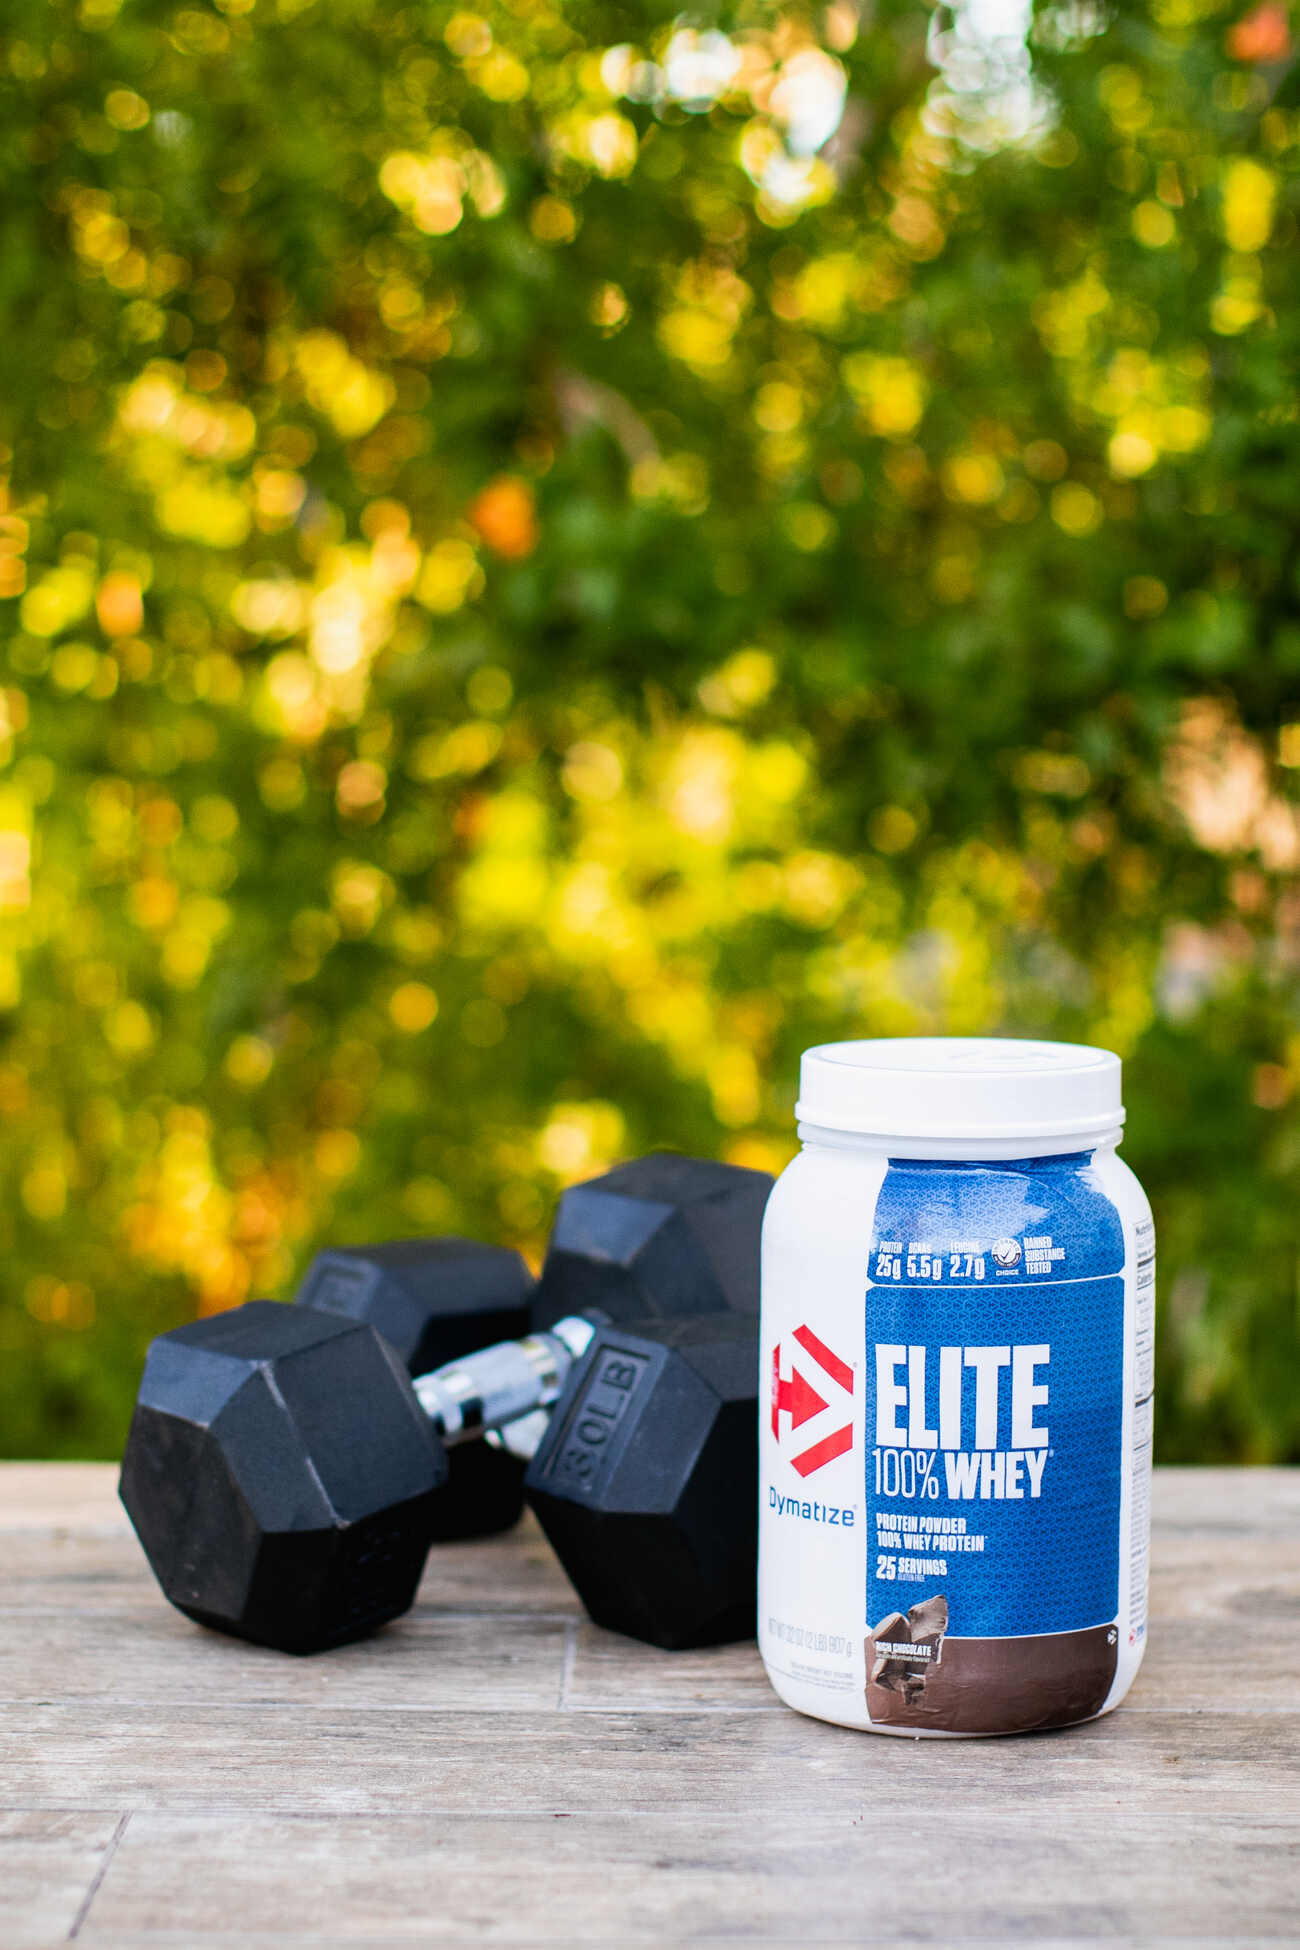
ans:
x=555 y=556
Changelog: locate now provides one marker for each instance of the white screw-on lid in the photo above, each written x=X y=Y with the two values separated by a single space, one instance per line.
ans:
x=953 y=1087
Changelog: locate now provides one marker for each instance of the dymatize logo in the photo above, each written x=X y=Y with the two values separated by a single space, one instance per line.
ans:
x=795 y=1395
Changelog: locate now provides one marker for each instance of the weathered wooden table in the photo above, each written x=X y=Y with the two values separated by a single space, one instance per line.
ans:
x=495 y=1770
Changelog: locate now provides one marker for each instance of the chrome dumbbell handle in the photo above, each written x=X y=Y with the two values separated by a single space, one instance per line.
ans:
x=522 y=1438
x=509 y=1384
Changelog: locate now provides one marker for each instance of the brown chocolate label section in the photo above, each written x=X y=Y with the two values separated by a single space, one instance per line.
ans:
x=918 y=1677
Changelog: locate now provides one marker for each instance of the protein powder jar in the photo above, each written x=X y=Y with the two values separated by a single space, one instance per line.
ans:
x=957 y=1320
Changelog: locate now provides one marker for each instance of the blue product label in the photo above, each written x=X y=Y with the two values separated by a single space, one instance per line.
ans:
x=994 y=1420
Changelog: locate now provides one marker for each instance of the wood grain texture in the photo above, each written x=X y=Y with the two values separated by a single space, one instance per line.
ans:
x=495 y=1769
x=419 y=1880
x=251 y=1758
x=270 y=1939
x=68 y=1541
x=147 y=1657
x=49 y=1862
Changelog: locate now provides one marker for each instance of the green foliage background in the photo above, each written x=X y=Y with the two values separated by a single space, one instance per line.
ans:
x=533 y=593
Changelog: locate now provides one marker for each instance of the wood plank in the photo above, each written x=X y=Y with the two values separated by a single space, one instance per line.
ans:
x=609 y=1672
x=273 y=1936
x=141 y=1650
x=813 y=1876
x=1203 y=1589
x=1183 y=1670
x=301 y=1759
x=96 y=1568
x=96 y=1564
x=154 y=1658
x=490 y=1762
x=41 y=1496
x=48 y=1866
x=515 y=1572
x=1225 y=1570
x=1244 y=1660
x=102 y=1570
x=1250 y=1501
x=89 y=1570
x=1207 y=1500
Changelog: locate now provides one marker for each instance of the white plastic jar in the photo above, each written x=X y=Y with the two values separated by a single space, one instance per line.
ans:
x=955 y=1458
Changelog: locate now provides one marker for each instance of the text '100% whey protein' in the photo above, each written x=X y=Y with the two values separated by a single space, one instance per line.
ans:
x=957 y=1322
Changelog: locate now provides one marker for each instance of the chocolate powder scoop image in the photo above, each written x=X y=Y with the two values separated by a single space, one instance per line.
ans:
x=905 y=1647
x=929 y=1619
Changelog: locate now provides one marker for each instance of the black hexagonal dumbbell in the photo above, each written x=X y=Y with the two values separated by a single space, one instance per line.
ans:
x=646 y=1480
x=282 y=1476
x=283 y=1472
x=231 y=1461
x=643 y=1461
x=432 y=1300
x=664 y=1235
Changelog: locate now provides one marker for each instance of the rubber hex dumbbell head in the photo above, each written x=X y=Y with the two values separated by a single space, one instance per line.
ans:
x=435 y=1300
x=282 y=1476
x=432 y=1299
x=662 y=1236
x=646 y=1481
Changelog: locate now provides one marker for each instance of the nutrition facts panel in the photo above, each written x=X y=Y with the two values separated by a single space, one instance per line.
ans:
x=1144 y=1296
x=1140 y=1546
x=1145 y=1299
